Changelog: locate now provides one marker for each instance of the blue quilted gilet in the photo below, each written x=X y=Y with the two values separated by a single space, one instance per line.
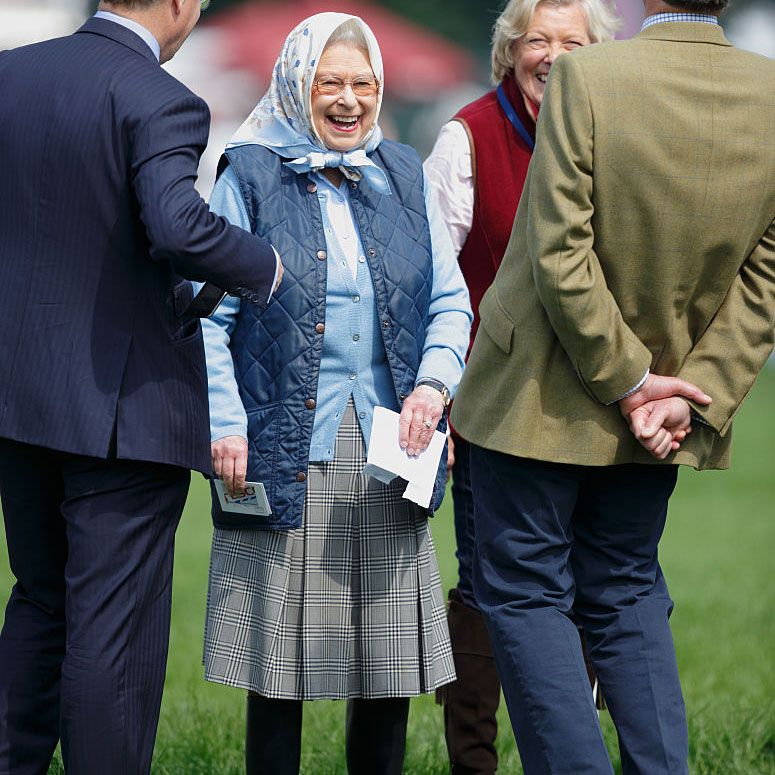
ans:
x=277 y=351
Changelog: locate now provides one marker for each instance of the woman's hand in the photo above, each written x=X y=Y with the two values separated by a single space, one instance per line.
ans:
x=230 y=463
x=420 y=415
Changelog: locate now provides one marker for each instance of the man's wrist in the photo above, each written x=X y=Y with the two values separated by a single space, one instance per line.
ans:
x=632 y=391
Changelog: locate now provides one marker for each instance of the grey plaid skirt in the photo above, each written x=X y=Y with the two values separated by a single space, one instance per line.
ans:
x=347 y=605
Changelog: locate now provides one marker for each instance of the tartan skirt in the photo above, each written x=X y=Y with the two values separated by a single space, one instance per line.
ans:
x=347 y=605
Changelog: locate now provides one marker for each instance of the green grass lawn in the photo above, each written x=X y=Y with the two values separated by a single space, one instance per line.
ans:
x=717 y=556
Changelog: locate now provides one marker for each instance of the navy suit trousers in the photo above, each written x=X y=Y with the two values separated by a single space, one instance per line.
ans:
x=84 y=646
x=552 y=539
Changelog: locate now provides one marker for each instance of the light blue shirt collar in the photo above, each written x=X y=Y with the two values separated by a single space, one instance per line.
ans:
x=661 y=18
x=138 y=29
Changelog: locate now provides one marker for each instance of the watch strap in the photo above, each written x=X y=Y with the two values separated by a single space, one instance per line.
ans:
x=437 y=385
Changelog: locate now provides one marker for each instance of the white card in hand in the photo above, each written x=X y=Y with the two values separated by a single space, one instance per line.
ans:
x=386 y=459
x=254 y=501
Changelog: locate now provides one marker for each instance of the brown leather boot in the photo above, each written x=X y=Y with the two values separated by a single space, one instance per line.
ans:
x=470 y=703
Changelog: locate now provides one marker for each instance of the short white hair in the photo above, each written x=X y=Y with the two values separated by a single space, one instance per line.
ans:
x=511 y=25
x=352 y=33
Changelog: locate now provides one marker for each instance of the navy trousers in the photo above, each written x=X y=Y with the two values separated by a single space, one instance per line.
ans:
x=84 y=645
x=552 y=538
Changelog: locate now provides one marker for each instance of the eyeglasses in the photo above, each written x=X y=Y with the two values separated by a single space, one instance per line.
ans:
x=333 y=87
x=204 y=4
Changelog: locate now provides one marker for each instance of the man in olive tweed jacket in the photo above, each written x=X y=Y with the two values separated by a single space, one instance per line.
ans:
x=642 y=259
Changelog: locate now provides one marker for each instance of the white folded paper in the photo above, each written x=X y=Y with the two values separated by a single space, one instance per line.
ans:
x=386 y=460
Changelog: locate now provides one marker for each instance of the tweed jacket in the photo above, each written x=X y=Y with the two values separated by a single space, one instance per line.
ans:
x=644 y=239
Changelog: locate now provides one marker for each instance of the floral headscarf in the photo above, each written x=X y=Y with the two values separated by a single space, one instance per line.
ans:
x=282 y=120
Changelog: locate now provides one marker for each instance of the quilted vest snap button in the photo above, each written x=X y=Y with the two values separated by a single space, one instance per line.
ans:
x=372 y=252
x=310 y=403
x=301 y=477
x=322 y=255
x=312 y=188
x=402 y=396
x=385 y=324
x=319 y=328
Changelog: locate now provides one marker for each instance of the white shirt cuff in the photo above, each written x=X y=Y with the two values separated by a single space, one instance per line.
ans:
x=632 y=390
x=276 y=272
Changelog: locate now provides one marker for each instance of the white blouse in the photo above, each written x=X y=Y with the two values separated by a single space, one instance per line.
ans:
x=449 y=174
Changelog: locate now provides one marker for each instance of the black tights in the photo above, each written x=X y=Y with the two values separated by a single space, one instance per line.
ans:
x=375 y=736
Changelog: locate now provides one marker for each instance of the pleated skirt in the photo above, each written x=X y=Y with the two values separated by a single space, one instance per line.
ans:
x=347 y=605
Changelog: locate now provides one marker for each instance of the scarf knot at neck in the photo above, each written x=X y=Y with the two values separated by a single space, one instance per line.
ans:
x=354 y=165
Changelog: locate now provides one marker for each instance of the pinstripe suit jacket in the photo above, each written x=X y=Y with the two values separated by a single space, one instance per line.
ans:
x=99 y=223
x=645 y=238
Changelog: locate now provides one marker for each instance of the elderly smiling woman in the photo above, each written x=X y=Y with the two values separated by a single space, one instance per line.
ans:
x=478 y=168
x=336 y=593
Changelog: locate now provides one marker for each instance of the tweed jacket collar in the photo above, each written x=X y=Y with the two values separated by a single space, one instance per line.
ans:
x=109 y=29
x=686 y=32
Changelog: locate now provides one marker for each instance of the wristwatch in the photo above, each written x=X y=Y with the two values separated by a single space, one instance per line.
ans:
x=436 y=385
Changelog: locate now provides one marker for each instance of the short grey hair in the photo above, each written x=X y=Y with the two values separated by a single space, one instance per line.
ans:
x=511 y=25
x=350 y=32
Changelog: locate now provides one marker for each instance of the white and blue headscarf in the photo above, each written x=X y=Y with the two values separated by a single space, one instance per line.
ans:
x=282 y=120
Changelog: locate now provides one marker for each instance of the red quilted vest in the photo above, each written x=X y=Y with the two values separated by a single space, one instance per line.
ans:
x=500 y=158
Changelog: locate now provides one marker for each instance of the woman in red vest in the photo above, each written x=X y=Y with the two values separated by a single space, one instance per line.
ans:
x=478 y=167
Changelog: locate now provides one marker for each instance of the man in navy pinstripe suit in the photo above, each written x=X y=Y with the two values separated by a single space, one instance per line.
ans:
x=103 y=395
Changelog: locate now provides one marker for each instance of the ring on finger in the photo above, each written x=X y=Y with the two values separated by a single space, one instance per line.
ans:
x=427 y=423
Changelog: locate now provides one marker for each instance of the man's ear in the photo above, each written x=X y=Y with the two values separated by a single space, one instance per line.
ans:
x=177 y=6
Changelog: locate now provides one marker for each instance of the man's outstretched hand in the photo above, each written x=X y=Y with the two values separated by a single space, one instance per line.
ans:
x=658 y=415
